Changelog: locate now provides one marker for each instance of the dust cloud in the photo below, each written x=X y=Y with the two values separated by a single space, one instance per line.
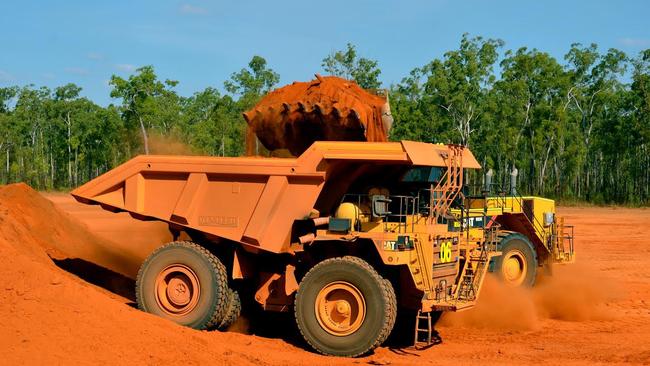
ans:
x=573 y=293
x=499 y=307
x=168 y=145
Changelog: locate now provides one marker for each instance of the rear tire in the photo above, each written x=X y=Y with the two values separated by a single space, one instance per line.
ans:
x=185 y=283
x=233 y=310
x=517 y=265
x=344 y=307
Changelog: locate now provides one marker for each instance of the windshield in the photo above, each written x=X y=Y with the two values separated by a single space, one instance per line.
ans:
x=422 y=174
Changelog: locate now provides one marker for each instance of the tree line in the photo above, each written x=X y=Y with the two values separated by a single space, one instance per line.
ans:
x=576 y=129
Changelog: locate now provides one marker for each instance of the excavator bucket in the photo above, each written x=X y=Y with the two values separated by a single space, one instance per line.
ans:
x=325 y=109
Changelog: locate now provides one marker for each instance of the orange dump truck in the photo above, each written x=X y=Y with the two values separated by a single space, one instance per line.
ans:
x=343 y=235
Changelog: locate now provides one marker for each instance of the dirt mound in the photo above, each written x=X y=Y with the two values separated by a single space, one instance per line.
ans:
x=33 y=225
x=326 y=109
x=54 y=317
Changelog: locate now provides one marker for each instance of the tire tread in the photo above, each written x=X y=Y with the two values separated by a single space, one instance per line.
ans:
x=217 y=267
x=233 y=310
x=388 y=294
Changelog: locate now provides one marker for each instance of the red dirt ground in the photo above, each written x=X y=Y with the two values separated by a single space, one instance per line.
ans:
x=594 y=312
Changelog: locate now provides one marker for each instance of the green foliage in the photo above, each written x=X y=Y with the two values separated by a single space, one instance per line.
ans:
x=147 y=103
x=573 y=131
x=576 y=130
x=213 y=123
x=347 y=65
x=252 y=83
x=450 y=93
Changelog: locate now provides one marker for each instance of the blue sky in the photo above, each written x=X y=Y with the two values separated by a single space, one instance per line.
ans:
x=200 y=43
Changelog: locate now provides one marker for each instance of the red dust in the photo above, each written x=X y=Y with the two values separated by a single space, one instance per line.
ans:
x=168 y=145
x=573 y=293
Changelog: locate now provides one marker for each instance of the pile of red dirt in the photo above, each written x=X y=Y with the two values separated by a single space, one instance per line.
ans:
x=35 y=226
x=325 y=109
x=54 y=317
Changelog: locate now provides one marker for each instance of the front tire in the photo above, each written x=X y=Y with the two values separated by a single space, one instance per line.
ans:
x=344 y=307
x=517 y=265
x=185 y=283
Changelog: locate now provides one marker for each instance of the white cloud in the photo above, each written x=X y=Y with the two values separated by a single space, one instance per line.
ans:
x=5 y=76
x=193 y=9
x=77 y=70
x=95 y=56
x=125 y=67
x=635 y=42
x=48 y=75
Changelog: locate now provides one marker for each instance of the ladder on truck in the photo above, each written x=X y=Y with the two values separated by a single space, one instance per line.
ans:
x=449 y=185
x=476 y=268
x=465 y=295
x=562 y=242
x=425 y=336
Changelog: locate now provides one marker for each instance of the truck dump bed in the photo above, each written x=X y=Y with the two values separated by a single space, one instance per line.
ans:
x=254 y=201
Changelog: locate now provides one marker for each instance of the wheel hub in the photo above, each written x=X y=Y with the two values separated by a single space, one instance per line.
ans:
x=340 y=308
x=177 y=289
x=514 y=267
x=343 y=308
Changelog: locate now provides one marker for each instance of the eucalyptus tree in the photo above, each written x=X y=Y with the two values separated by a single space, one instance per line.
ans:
x=213 y=123
x=594 y=99
x=348 y=65
x=145 y=99
x=251 y=83
x=533 y=85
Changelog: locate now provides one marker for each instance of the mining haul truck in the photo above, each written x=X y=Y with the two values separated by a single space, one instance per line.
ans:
x=530 y=235
x=343 y=235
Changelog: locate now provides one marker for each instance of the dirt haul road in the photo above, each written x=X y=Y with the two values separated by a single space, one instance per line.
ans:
x=594 y=312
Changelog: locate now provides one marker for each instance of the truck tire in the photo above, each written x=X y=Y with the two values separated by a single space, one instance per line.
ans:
x=185 y=283
x=344 y=307
x=393 y=319
x=233 y=310
x=517 y=265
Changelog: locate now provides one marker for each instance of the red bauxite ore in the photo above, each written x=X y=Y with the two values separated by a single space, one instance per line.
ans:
x=594 y=312
x=325 y=109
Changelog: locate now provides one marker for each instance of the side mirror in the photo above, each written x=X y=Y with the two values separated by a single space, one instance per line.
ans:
x=380 y=205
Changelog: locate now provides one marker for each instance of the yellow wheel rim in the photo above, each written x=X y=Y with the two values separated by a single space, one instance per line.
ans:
x=514 y=267
x=177 y=290
x=340 y=308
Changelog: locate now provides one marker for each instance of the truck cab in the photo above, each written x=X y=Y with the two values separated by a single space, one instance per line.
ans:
x=405 y=212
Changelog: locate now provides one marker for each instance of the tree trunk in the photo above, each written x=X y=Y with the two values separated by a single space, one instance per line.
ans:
x=76 y=168
x=8 y=176
x=69 y=124
x=51 y=170
x=144 y=136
